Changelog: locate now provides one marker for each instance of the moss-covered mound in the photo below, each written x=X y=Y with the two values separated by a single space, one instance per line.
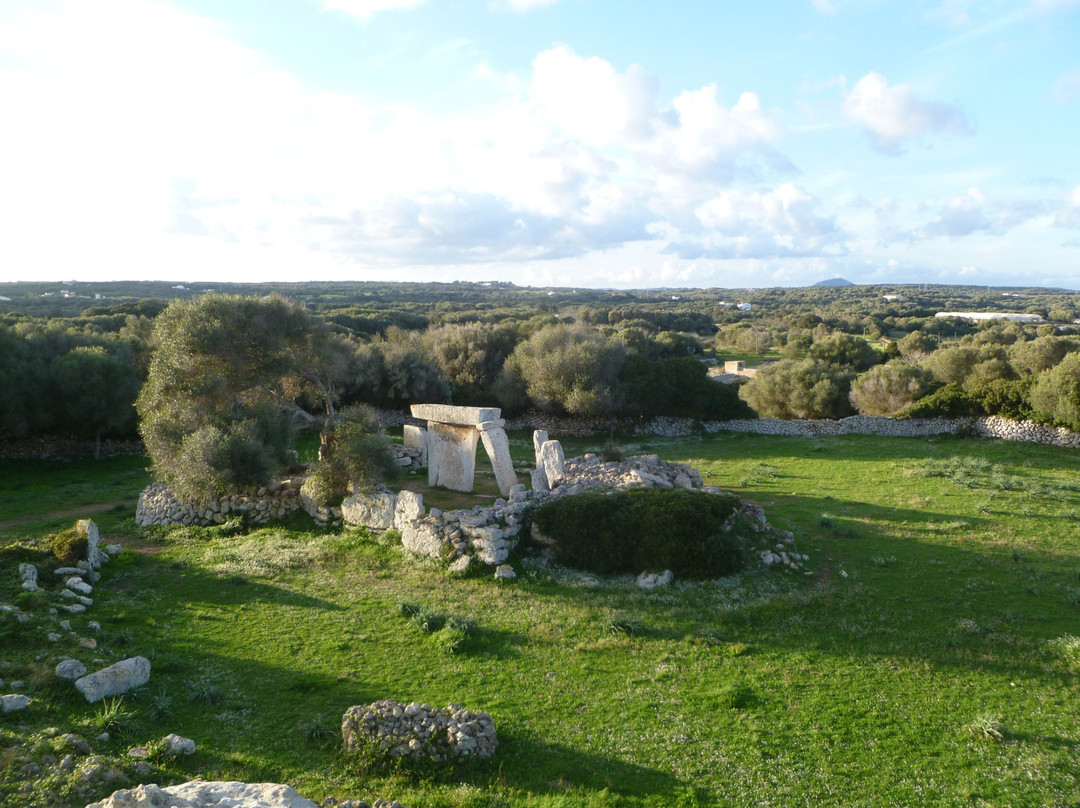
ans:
x=644 y=530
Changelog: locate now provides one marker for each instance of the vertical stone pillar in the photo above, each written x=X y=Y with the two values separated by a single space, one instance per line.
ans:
x=451 y=455
x=497 y=447
x=539 y=436
x=415 y=437
x=552 y=461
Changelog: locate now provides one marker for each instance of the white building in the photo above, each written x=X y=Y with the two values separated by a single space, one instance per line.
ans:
x=1012 y=317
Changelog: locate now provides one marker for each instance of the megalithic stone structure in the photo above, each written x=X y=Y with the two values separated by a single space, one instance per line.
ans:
x=451 y=438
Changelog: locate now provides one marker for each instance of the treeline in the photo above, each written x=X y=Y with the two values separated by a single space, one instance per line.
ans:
x=874 y=350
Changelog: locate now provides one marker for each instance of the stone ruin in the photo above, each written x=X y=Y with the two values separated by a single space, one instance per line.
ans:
x=417 y=731
x=450 y=441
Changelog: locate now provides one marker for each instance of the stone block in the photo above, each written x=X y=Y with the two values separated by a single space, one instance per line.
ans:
x=374 y=509
x=540 y=437
x=460 y=416
x=452 y=456
x=415 y=437
x=552 y=461
x=115 y=680
x=498 y=450
x=409 y=508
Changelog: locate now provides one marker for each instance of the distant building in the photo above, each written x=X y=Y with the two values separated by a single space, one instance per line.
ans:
x=4 y=299
x=1012 y=317
x=745 y=307
x=891 y=298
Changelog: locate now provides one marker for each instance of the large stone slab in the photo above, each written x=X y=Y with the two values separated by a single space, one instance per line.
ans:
x=452 y=455
x=207 y=794
x=460 y=416
x=552 y=461
x=114 y=680
x=497 y=447
x=374 y=509
x=540 y=437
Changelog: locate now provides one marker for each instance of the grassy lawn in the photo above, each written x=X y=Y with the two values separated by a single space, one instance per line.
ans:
x=925 y=659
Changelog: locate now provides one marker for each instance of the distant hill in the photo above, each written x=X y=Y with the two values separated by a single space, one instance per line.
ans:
x=834 y=282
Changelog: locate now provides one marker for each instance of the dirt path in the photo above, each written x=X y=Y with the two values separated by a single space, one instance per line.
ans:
x=70 y=513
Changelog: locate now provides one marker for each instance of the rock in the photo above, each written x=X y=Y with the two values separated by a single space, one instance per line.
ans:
x=651 y=580
x=13 y=702
x=504 y=572
x=540 y=437
x=538 y=480
x=70 y=669
x=207 y=794
x=114 y=549
x=423 y=538
x=77 y=584
x=115 y=679
x=374 y=510
x=460 y=564
x=29 y=575
x=178 y=745
x=409 y=508
x=552 y=461
x=418 y=731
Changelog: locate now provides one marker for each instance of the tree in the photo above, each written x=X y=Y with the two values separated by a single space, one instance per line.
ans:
x=886 y=389
x=563 y=368
x=799 y=388
x=95 y=391
x=224 y=378
x=1042 y=353
x=470 y=355
x=953 y=364
x=845 y=350
x=1055 y=397
x=916 y=346
x=679 y=387
x=361 y=457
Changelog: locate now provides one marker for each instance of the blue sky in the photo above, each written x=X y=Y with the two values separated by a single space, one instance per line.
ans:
x=604 y=143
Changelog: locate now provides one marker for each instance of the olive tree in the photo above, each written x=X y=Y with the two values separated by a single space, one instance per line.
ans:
x=226 y=372
x=886 y=389
x=799 y=388
x=563 y=368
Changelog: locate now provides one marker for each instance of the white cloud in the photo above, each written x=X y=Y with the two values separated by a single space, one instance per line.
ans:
x=975 y=212
x=826 y=7
x=786 y=221
x=364 y=10
x=892 y=116
x=1068 y=214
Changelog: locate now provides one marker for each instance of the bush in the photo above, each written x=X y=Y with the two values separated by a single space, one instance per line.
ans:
x=950 y=401
x=806 y=388
x=679 y=387
x=1055 y=396
x=885 y=389
x=359 y=455
x=637 y=531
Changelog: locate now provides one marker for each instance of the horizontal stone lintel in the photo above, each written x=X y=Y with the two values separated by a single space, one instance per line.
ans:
x=460 y=416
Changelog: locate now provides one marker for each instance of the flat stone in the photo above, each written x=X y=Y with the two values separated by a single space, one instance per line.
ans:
x=178 y=745
x=460 y=416
x=374 y=510
x=13 y=702
x=452 y=456
x=115 y=680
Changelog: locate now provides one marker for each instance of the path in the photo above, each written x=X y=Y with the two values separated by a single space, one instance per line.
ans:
x=84 y=510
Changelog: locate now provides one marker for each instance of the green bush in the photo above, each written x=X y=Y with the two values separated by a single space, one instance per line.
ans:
x=637 y=531
x=679 y=387
x=950 y=401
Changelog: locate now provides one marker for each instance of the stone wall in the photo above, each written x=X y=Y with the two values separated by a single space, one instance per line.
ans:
x=992 y=426
x=158 y=506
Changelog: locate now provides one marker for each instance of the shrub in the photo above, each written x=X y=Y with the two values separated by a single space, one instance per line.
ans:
x=1055 y=396
x=679 y=387
x=950 y=401
x=885 y=389
x=359 y=455
x=68 y=546
x=806 y=388
x=635 y=531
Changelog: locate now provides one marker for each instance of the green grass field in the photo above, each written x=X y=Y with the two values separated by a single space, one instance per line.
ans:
x=928 y=657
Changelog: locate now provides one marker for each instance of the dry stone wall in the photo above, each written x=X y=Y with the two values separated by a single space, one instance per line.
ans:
x=159 y=506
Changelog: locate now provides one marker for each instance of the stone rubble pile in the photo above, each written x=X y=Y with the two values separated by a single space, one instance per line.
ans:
x=206 y=794
x=158 y=506
x=419 y=732
x=410 y=458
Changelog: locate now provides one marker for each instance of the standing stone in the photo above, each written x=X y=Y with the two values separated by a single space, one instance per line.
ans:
x=115 y=680
x=539 y=480
x=451 y=456
x=90 y=530
x=498 y=450
x=540 y=437
x=29 y=577
x=552 y=461
x=415 y=437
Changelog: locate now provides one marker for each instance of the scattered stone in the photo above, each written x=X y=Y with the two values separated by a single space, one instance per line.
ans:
x=114 y=549
x=94 y=625
x=70 y=669
x=77 y=584
x=651 y=580
x=13 y=702
x=460 y=564
x=29 y=575
x=504 y=572
x=74 y=608
x=115 y=679
x=54 y=637
x=88 y=642
x=178 y=745
x=65 y=625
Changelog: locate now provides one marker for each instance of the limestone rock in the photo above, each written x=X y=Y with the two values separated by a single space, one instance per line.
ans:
x=504 y=572
x=409 y=508
x=29 y=575
x=13 y=702
x=70 y=669
x=207 y=794
x=418 y=731
x=423 y=538
x=540 y=437
x=651 y=580
x=115 y=679
x=552 y=461
x=178 y=745
x=374 y=509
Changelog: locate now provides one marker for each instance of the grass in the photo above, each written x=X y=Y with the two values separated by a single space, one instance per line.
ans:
x=878 y=678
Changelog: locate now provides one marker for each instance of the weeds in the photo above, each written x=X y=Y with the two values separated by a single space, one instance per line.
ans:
x=987 y=727
x=627 y=624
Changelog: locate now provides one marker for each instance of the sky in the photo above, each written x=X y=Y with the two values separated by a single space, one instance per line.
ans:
x=574 y=143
